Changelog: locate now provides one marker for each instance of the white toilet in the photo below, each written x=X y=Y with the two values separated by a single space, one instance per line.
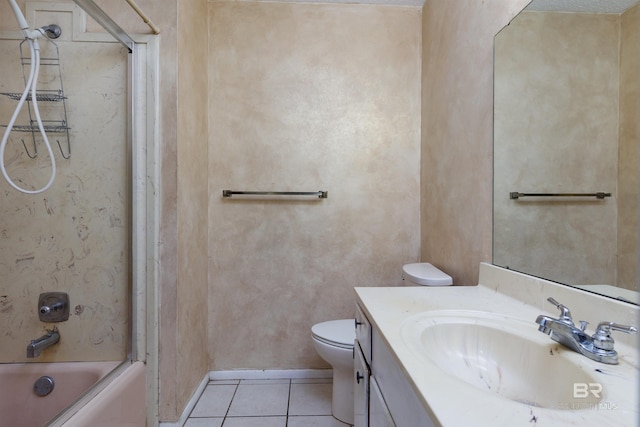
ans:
x=334 y=340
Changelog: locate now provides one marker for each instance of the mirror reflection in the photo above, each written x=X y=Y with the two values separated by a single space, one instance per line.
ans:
x=566 y=122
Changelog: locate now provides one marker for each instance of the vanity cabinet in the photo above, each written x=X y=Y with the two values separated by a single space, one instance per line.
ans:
x=361 y=370
x=361 y=388
x=379 y=415
x=383 y=397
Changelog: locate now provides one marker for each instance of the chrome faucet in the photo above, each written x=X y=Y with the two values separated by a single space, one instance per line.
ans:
x=598 y=347
x=36 y=346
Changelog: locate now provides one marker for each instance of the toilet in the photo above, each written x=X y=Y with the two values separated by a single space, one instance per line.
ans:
x=425 y=274
x=334 y=340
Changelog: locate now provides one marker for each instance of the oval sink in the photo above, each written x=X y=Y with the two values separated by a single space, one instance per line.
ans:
x=501 y=355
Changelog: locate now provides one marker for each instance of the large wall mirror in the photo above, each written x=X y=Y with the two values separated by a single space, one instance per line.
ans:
x=566 y=123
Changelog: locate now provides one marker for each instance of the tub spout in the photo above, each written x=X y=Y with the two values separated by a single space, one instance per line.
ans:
x=36 y=346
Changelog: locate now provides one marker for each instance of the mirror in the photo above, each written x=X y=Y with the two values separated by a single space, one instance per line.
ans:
x=566 y=108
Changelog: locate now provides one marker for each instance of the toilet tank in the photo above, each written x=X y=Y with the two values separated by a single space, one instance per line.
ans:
x=425 y=274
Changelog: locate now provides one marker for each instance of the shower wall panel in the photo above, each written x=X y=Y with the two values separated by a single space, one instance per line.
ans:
x=73 y=237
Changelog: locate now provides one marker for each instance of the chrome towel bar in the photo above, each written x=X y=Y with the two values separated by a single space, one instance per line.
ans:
x=320 y=194
x=600 y=195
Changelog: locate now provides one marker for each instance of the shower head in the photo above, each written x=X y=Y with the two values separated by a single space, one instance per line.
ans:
x=52 y=31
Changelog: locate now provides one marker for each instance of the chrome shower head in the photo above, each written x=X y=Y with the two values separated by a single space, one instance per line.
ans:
x=52 y=31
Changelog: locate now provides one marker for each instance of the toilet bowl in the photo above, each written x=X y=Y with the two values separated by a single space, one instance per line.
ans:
x=334 y=340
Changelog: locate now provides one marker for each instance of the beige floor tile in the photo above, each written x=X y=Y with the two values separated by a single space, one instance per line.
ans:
x=315 y=421
x=255 y=422
x=214 y=401
x=310 y=399
x=204 y=422
x=260 y=400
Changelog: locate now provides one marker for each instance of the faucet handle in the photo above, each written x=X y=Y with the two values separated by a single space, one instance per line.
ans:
x=565 y=314
x=583 y=325
x=602 y=338
x=607 y=327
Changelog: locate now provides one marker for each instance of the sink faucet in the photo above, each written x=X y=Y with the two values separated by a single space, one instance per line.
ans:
x=36 y=346
x=598 y=347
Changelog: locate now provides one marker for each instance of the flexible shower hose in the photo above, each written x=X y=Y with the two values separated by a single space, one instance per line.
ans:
x=34 y=49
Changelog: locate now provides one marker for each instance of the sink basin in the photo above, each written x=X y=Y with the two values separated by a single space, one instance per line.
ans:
x=503 y=356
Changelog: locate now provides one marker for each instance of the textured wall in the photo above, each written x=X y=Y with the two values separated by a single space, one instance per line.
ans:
x=307 y=97
x=73 y=237
x=192 y=320
x=629 y=166
x=457 y=123
x=556 y=130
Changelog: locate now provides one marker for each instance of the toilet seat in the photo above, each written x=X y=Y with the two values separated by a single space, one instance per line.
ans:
x=338 y=333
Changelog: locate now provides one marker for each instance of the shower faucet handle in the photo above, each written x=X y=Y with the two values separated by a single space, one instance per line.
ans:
x=45 y=309
x=53 y=307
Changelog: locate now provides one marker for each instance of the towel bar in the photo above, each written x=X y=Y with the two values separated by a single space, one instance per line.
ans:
x=600 y=195
x=320 y=194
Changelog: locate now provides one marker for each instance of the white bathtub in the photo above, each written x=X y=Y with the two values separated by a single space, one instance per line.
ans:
x=21 y=406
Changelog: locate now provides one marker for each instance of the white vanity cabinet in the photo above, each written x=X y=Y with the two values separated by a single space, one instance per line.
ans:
x=379 y=415
x=361 y=370
x=361 y=389
x=383 y=396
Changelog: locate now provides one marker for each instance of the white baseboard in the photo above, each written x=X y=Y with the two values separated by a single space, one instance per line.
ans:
x=246 y=374
x=270 y=374
x=190 y=405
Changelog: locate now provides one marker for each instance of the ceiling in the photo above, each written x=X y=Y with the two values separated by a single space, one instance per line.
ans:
x=586 y=6
x=418 y=3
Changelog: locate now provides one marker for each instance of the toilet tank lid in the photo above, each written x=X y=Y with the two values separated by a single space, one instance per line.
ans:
x=423 y=273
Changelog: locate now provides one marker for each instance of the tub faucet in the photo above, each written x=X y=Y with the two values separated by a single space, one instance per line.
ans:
x=36 y=346
x=598 y=347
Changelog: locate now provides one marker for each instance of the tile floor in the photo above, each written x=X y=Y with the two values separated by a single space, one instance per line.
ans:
x=265 y=403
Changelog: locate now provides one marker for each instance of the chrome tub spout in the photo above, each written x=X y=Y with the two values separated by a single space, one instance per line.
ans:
x=36 y=346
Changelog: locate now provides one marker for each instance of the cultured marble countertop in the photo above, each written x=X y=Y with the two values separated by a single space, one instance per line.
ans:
x=452 y=403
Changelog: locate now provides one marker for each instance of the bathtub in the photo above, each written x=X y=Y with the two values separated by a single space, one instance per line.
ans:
x=119 y=401
x=21 y=406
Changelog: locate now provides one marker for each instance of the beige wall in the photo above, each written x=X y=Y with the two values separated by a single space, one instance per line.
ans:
x=192 y=319
x=457 y=122
x=629 y=155
x=556 y=131
x=305 y=98
x=74 y=237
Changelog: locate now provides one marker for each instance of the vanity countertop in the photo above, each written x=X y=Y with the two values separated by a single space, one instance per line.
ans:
x=452 y=403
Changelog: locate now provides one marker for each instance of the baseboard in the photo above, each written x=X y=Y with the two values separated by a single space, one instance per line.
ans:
x=246 y=374
x=190 y=405
x=269 y=374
